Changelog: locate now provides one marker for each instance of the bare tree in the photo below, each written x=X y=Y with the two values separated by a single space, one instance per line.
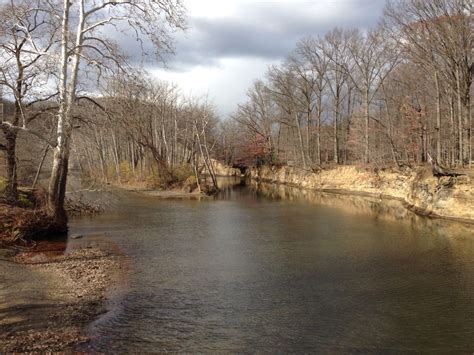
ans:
x=409 y=81
x=257 y=115
x=312 y=52
x=336 y=48
x=437 y=35
x=88 y=23
x=374 y=57
x=26 y=35
x=284 y=87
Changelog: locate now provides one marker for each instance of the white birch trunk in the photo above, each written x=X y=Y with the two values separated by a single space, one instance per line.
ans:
x=67 y=88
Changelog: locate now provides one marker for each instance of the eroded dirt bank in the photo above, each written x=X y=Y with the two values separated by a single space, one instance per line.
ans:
x=48 y=297
x=417 y=188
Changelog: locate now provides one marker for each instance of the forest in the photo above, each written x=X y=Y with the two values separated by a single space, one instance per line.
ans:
x=393 y=95
x=390 y=95
x=238 y=176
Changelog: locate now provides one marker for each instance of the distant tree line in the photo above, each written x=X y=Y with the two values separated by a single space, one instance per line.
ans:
x=389 y=95
x=142 y=130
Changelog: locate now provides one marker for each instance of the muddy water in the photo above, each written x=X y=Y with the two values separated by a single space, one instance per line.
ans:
x=266 y=268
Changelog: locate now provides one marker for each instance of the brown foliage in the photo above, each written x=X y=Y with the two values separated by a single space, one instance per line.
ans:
x=28 y=219
x=18 y=223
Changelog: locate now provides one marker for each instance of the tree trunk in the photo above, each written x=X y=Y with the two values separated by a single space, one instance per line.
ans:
x=460 y=119
x=438 y=117
x=11 y=190
x=318 y=142
x=57 y=185
x=308 y=136
x=367 y=118
x=206 y=159
x=349 y=120
x=336 y=142
x=40 y=166
x=115 y=156
x=452 y=131
x=469 y=110
x=393 y=150
x=210 y=166
x=300 y=138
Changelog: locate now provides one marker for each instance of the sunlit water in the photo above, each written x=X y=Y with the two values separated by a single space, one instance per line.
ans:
x=272 y=269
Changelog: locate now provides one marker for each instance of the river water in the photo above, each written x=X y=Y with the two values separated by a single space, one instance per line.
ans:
x=273 y=269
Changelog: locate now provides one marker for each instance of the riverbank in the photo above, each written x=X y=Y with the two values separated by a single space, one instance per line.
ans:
x=178 y=193
x=22 y=224
x=417 y=188
x=184 y=189
x=48 y=297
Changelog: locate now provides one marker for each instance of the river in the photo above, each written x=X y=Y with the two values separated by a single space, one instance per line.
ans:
x=267 y=268
x=274 y=269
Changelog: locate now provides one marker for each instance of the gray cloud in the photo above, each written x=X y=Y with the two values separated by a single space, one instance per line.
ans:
x=267 y=30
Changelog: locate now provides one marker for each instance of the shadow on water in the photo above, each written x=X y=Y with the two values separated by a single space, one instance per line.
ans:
x=384 y=209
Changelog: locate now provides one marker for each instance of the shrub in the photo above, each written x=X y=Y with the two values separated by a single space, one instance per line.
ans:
x=126 y=172
x=182 y=172
x=191 y=180
x=153 y=180
x=190 y=184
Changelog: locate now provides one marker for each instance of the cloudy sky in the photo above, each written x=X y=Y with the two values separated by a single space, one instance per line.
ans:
x=231 y=42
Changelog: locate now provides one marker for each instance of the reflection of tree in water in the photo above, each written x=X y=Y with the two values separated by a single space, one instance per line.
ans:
x=381 y=208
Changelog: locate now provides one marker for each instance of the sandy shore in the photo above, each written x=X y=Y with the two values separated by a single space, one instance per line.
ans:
x=52 y=298
x=172 y=194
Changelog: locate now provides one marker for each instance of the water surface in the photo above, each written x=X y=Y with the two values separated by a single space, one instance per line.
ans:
x=265 y=268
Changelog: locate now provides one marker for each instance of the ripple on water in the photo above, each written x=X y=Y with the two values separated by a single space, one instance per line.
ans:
x=279 y=270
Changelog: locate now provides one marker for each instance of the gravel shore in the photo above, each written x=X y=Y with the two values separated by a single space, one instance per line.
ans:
x=50 y=311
